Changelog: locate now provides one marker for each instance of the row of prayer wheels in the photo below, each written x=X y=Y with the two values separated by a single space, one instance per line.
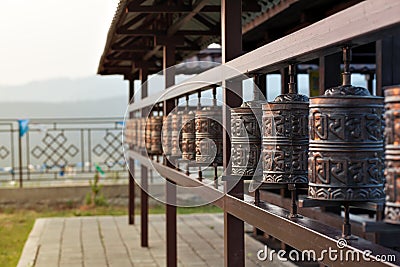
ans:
x=334 y=142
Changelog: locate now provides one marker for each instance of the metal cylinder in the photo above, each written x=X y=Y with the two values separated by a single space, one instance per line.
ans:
x=133 y=133
x=167 y=135
x=285 y=139
x=148 y=136
x=392 y=155
x=246 y=139
x=209 y=135
x=188 y=136
x=346 y=146
x=176 y=136
x=155 y=135
x=142 y=136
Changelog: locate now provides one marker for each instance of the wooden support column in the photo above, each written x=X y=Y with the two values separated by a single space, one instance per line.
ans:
x=172 y=253
x=329 y=72
x=144 y=197
x=131 y=162
x=260 y=80
x=231 y=13
x=284 y=80
x=387 y=63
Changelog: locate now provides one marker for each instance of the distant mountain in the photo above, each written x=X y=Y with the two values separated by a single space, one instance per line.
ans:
x=112 y=107
x=64 y=89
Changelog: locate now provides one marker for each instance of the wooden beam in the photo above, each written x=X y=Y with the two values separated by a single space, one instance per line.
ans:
x=167 y=40
x=210 y=32
x=165 y=8
x=184 y=19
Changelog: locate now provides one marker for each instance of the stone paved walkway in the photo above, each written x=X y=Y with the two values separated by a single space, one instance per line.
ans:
x=110 y=241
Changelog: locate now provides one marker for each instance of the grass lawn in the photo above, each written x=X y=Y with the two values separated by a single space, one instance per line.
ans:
x=15 y=225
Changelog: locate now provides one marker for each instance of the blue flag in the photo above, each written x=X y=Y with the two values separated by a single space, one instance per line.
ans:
x=23 y=127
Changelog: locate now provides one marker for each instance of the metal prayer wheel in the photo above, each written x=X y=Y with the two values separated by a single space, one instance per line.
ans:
x=176 y=137
x=128 y=129
x=188 y=136
x=285 y=138
x=346 y=144
x=142 y=133
x=166 y=135
x=209 y=135
x=133 y=133
x=155 y=135
x=392 y=155
x=246 y=139
x=148 y=136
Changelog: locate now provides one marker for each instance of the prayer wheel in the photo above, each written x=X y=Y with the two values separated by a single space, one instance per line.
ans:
x=188 y=136
x=148 y=136
x=285 y=137
x=176 y=136
x=142 y=133
x=246 y=139
x=167 y=135
x=346 y=143
x=155 y=135
x=209 y=135
x=392 y=155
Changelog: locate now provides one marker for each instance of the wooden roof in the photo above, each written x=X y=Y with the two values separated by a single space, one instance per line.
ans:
x=140 y=28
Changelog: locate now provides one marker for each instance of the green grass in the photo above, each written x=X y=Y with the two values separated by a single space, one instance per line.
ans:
x=15 y=225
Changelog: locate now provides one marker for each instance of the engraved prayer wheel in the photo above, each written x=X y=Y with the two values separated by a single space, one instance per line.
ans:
x=176 y=136
x=188 y=136
x=285 y=139
x=246 y=139
x=155 y=135
x=392 y=155
x=209 y=135
x=346 y=144
x=142 y=133
x=167 y=135
x=148 y=136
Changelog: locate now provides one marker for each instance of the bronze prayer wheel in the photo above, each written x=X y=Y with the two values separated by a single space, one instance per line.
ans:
x=209 y=135
x=246 y=139
x=392 y=155
x=176 y=136
x=166 y=135
x=155 y=135
x=188 y=136
x=148 y=136
x=346 y=145
x=142 y=133
x=133 y=133
x=285 y=139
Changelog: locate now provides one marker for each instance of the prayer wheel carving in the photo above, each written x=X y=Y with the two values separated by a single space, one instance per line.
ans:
x=392 y=155
x=142 y=133
x=188 y=136
x=209 y=135
x=246 y=139
x=346 y=144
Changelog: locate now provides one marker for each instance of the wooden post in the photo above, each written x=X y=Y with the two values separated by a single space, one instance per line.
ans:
x=231 y=13
x=131 y=162
x=169 y=61
x=387 y=63
x=329 y=72
x=144 y=198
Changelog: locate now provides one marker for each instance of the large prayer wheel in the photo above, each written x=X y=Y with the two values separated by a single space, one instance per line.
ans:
x=392 y=155
x=346 y=144
x=188 y=136
x=209 y=135
x=246 y=139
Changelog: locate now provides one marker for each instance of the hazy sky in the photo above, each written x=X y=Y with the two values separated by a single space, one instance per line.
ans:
x=45 y=39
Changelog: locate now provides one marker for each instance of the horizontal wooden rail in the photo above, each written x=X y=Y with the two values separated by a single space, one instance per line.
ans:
x=302 y=234
x=365 y=22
